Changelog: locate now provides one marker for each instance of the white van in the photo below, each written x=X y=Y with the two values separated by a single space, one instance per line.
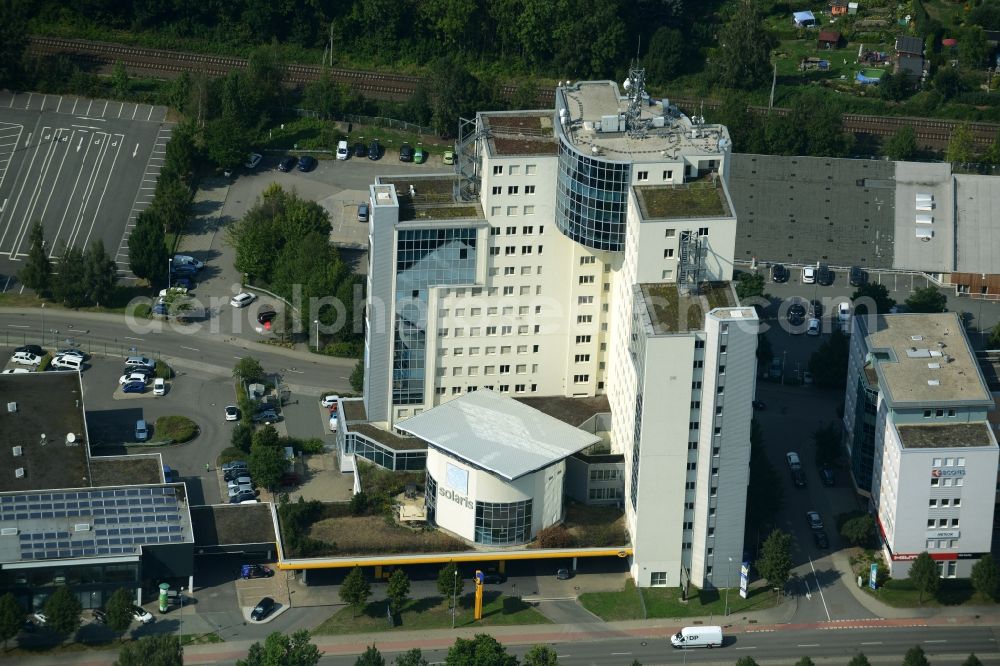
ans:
x=342 y=150
x=695 y=637
x=67 y=362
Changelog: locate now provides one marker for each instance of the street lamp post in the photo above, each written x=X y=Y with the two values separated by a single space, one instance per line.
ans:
x=170 y=269
x=979 y=320
x=454 y=595
x=784 y=354
x=43 y=324
x=316 y=322
x=729 y=583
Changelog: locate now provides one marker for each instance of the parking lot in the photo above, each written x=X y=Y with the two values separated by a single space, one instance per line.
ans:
x=84 y=168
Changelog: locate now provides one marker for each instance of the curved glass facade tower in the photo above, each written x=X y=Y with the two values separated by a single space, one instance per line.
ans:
x=591 y=198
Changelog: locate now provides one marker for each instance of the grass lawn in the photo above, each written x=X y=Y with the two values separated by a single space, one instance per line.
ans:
x=200 y=639
x=953 y=592
x=433 y=613
x=178 y=428
x=791 y=52
x=120 y=299
x=666 y=602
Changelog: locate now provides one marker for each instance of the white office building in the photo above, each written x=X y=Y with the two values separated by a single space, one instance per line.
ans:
x=580 y=252
x=916 y=414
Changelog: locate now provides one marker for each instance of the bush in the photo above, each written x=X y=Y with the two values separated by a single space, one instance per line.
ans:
x=311 y=445
x=180 y=429
x=229 y=454
x=242 y=437
x=164 y=371
x=345 y=349
x=44 y=365
x=556 y=536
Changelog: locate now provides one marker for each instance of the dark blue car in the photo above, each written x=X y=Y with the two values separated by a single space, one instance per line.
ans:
x=306 y=163
x=134 y=387
x=160 y=309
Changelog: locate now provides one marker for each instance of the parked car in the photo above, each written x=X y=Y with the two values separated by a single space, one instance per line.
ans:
x=31 y=349
x=824 y=276
x=858 y=276
x=234 y=474
x=329 y=401
x=267 y=416
x=814 y=327
x=798 y=478
x=15 y=371
x=362 y=212
x=255 y=571
x=419 y=155
x=307 y=163
x=287 y=163
x=70 y=351
x=796 y=315
x=563 y=574
x=242 y=299
x=819 y=536
x=133 y=377
x=375 y=150
x=139 y=370
x=140 y=361
x=185 y=282
x=100 y=617
x=827 y=477
x=267 y=314
x=141 y=431
x=815 y=522
x=816 y=309
x=494 y=578
x=776 y=368
x=241 y=489
x=160 y=309
x=406 y=153
x=242 y=480
x=242 y=497
x=779 y=273
x=134 y=387
x=40 y=619
x=360 y=150
x=234 y=464
x=343 y=151
x=263 y=608
x=807 y=377
x=808 y=274
x=449 y=157
x=253 y=161
x=159 y=386
x=794 y=462
x=232 y=413
x=142 y=615
x=67 y=363
x=186 y=259
x=26 y=358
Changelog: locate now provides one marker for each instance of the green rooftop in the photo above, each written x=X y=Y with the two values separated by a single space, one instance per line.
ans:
x=700 y=198
x=673 y=312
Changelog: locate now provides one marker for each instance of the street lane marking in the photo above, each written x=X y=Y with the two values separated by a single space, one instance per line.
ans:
x=190 y=348
x=821 y=595
x=620 y=654
x=937 y=640
x=131 y=338
x=809 y=645
x=752 y=647
x=870 y=643
x=18 y=326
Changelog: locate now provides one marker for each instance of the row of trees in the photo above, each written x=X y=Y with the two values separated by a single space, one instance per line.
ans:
x=62 y=613
x=915 y=656
x=76 y=279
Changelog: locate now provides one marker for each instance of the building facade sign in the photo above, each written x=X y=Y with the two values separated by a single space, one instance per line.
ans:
x=448 y=494
x=954 y=534
x=938 y=473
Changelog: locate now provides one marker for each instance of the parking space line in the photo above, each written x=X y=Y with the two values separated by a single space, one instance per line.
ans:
x=107 y=181
x=72 y=194
x=24 y=183
x=27 y=106
x=150 y=116
x=104 y=113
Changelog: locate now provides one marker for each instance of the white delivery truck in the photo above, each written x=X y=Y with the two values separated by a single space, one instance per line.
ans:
x=697 y=637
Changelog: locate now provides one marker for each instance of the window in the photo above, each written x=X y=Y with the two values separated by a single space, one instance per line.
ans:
x=490 y=330
x=945 y=502
x=586 y=279
x=522 y=330
x=957 y=501
x=491 y=350
x=584 y=319
x=960 y=462
x=699 y=344
x=703 y=231
x=529 y=210
x=525 y=249
x=643 y=175
x=927 y=415
x=935 y=482
x=504 y=369
x=587 y=260
x=584 y=300
x=696 y=385
x=696 y=404
x=442 y=332
x=688 y=525
x=525 y=270
x=473 y=332
x=456 y=390
x=699 y=364
x=954 y=522
x=525 y=290
x=658 y=579
x=668 y=175
x=504 y=388
x=494 y=251
x=522 y=349
x=511 y=210
x=692 y=446
x=939 y=413
x=512 y=189
x=497 y=169
x=521 y=368
x=518 y=388
x=508 y=270
x=527 y=230
x=689 y=485
x=539 y=247
x=529 y=169
x=497 y=189
x=529 y=189
x=503 y=524
x=932 y=503
x=474 y=351
x=489 y=370
x=581 y=379
x=509 y=250
x=669 y=233
x=473 y=371
x=513 y=169
x=693 y=425
x=580 y=339
x=511 y=231
x=508 y=291
x=504 y=349
x=581 y=358
x=951 y=412
x=457 y=372
x=534 y=349
x=494 y=231
x=667 y=274
x=505 y=330
x=668 y=253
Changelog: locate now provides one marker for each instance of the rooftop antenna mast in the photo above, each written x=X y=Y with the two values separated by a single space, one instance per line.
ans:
x=635 y=88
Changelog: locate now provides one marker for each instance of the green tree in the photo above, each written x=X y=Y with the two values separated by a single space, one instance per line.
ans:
x=926 y=299
x=412 y=657
x=11 y=618
x=902 y=145
x=118 y=610
x=69 y=284
x=397 y=590
x=266 y=437
x=994 y=339
x=877 y=293
x=895 y=87
x=227 y=144
x=62 y=611
x=267 y=464
x=858 y=531
x=119 y=80
x=804 y=661
x=358 y=376
x=750 y=285
x=370 y=657
x=858 y=660
x=483 y=650
x=355 y=590
x=13 y=41
x=359 y=503
x=775 y=561
x=992 y=154
x=283 y=650
x=325 y=96
x=172 y=204
x=925 y=576
x=665 y=58
x=147 y=250
x=746 y=661
x=541 y=655
x=915 y=657
x=37 y=272
x=828 y=364
x=972 y=660
x=450 y=583
x=826 y=441
x=249 y=370
x=743 y=58
x=815 y=127
x=948 y=83
x=960 y=145
x=155 y=650
x=242 y=437
x=973 y=49
x=101 y=273
x=984 y=576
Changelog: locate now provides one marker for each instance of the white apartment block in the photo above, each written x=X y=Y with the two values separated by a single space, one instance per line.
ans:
x=582 y=252
x=932 y=454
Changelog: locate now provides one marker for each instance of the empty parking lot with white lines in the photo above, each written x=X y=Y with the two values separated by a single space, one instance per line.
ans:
x=84 y=168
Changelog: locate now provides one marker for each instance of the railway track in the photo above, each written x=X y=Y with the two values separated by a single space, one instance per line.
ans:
x=931 y=133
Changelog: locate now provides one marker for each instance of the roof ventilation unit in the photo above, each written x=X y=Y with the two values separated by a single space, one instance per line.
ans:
x=8 y=531
x=71 y=439
x=933 y=382
x=11 y=407
x=82 y=527
x=17 y=451
x=19 y=473
x=934 y=366
x=43 y=440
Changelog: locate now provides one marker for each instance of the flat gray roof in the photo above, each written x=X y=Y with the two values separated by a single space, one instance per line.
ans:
x=937 y=254
x=977 y=224
x=232 y=524
x=930 y=360
x=945 y=435
x=808 y=209
x=497 y=433
x=48 y=407
x=572 y=411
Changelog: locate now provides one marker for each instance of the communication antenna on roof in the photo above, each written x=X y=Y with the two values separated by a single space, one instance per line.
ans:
x=636 y=89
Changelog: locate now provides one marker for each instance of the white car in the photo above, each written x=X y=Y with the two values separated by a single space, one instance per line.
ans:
x=69 y=351
x=26 y=358
x=140 y=361
x=242 y=488
x=242 y=299
x=254 y=160
x=67 y=362
x=329 y=401
x=188 y=260
x=793 y=460
x=813 y=327
x=142 y=615
x=15 y=371
x=844 y=311
x=159 y=386
x=132 y=377
x=232 y=413
x=172 y=290
x=808 y=275
x=342 y=150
